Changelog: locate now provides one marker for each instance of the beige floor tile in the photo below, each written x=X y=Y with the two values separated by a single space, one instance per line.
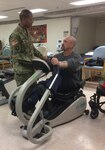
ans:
x=80 y=134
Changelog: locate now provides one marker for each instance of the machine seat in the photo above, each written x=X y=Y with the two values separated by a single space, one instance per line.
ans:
x=68 y=96
x=59 y=103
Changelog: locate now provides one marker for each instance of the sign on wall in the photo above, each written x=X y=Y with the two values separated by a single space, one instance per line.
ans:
x=39 y=33
x=74 y=25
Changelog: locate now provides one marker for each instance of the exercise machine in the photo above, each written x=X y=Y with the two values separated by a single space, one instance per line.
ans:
x=5 y=77
x=50 y=111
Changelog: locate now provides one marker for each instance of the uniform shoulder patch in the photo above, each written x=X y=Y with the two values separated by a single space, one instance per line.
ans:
x=13 y=41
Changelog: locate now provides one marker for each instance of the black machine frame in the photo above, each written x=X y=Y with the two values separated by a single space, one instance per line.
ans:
x=96 y=103
x=5 y=77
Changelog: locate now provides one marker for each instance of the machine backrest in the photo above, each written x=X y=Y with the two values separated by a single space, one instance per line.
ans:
x=82 y=82
x=39 y=64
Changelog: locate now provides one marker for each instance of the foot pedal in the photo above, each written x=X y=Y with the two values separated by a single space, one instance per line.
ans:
x=24 y=131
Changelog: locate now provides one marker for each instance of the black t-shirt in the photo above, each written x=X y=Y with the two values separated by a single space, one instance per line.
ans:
x=69 y=77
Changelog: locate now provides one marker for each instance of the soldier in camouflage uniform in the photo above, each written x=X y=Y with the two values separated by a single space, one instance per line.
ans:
x=22 y=48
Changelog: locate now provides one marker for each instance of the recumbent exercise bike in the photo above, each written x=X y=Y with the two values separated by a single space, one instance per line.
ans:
x=49 y=111
x=5 y=77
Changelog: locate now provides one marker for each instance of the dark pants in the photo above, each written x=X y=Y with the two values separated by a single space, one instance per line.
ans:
x=33 y=96
x=22 y=78
x=37 y=92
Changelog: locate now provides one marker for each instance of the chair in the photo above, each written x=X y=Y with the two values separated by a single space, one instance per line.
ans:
x=5 y=58
x=95 y=70
x=97 y=102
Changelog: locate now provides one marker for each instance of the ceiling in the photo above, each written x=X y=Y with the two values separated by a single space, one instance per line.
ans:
x=56 y=8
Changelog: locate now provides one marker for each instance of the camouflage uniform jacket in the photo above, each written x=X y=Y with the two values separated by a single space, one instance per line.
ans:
x=23 y=50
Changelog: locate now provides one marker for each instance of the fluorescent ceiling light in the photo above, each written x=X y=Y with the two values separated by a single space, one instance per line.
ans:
x=86 y=2
x=3 y=17
x=37 y=10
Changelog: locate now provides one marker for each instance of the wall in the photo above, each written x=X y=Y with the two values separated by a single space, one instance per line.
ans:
x=55 y=29
x=5 y=31
x=86 y=34
x=100 y=32
x=91 y=32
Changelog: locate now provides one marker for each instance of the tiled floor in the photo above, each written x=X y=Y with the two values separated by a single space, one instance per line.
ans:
x=80 y=134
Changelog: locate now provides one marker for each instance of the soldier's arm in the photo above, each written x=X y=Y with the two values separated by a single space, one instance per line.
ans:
x=14 y=44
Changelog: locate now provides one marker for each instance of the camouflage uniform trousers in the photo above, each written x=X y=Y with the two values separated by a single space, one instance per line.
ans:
x=22 y=78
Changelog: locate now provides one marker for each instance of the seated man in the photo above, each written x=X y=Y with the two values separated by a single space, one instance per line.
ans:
x=69 y=63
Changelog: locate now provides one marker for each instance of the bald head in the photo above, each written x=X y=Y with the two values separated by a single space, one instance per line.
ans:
x=71 y=40
x=68 y=43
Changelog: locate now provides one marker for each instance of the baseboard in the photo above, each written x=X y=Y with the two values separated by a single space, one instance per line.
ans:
x=91 y=84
